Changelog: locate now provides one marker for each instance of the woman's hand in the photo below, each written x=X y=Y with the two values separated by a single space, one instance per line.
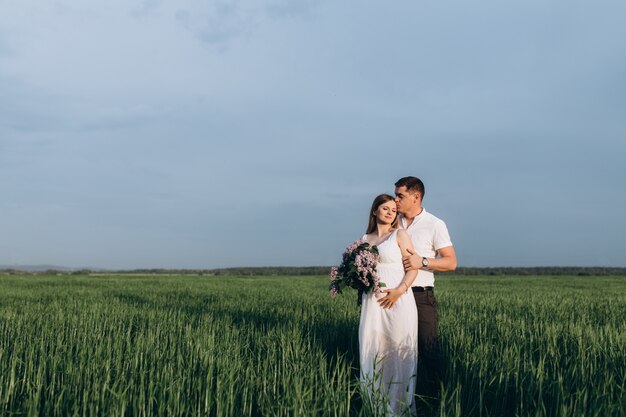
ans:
x=392 y=296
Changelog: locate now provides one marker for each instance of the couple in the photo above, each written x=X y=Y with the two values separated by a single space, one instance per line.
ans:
x=412 y=243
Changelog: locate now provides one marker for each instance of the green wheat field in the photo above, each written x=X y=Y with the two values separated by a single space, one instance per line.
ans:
x=280 y=346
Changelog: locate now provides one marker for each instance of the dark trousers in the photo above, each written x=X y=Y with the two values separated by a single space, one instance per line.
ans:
x=429 y=357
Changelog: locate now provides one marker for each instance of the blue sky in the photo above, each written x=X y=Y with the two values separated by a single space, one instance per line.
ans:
x=202 y=134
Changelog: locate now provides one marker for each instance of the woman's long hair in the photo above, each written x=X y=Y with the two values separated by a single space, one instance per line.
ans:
x=381 y=199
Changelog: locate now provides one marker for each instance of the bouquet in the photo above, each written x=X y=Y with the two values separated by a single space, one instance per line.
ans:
x=357 y=270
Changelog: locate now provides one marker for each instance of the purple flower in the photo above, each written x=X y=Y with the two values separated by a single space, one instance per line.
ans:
x=333 y=273
x=357 y=269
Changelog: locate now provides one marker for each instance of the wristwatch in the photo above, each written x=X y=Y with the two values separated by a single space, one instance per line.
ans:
x=425 y=262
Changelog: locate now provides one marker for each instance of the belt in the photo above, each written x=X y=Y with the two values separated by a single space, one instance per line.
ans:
x=422 y=289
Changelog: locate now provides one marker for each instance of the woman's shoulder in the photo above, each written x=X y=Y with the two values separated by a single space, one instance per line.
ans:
x=401 y=231
x=401 y=234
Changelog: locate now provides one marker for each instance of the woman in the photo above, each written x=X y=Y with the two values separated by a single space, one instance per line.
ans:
x=388 y=336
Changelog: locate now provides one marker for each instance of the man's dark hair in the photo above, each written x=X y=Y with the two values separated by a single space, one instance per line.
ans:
x=412 y=184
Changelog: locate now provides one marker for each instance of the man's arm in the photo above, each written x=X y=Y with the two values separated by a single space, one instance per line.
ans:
x=445 y=263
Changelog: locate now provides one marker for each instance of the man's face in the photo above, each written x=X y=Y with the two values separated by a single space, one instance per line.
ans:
x=406 y=200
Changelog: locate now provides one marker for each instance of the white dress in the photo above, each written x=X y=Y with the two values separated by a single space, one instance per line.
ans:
x=388 y=340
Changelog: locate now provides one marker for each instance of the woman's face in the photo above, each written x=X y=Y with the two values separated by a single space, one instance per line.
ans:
x=386 y=212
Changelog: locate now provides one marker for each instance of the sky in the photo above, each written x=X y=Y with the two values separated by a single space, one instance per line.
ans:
x=206 y=134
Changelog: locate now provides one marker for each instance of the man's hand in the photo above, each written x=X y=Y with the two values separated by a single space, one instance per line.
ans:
x=412 y=262
x=390 y=299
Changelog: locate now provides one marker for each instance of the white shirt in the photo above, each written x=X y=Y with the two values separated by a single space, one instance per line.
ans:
x=429 y=234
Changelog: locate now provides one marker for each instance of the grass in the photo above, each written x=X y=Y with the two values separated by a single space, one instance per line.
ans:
x=279 y=346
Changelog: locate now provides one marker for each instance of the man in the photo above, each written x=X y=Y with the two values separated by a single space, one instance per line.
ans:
x=433 y=252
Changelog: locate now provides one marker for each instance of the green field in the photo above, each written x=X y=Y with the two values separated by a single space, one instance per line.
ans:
x=279 y=346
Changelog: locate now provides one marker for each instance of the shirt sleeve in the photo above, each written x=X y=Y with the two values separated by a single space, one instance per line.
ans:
x=441 y=236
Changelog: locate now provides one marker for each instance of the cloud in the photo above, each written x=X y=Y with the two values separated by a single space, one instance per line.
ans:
x=120 y=117
x=292 y=8
x=147 y=8
x=218 y=23
x=5 y=49
x=24 y=108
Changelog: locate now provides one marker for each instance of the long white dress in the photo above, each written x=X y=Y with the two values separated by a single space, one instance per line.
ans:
x=388 y=341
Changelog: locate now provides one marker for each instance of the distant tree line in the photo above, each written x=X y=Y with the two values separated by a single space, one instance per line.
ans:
x=324 y=270
x=541 y=270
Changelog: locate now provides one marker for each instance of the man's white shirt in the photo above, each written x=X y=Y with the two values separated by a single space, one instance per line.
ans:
x=429 y=234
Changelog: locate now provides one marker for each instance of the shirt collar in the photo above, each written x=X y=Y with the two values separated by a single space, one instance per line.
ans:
x=415 y=219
